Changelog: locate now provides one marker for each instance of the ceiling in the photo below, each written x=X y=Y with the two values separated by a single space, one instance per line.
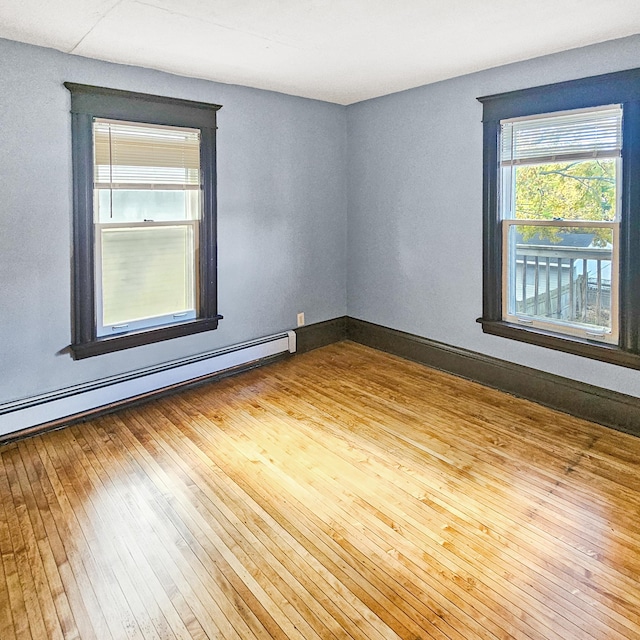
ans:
x=341 y=51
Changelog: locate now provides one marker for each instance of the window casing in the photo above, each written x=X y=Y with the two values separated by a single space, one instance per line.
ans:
x=562 y=267
x=144 y=219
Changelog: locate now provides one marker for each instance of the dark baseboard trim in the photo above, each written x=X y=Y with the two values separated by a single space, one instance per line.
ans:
x=139 y=399
x=320 y=334
x=609 y=408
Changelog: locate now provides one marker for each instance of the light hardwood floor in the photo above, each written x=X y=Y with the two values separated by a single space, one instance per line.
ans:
x=343 y=493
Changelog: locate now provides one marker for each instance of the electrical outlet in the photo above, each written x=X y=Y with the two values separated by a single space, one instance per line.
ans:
x=301 y=319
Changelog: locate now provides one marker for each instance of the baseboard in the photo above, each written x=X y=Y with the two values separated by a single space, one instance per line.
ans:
x=38 y=413
x=321 y=334
x=609 y=408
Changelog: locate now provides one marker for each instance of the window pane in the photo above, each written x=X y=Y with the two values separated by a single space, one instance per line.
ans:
x=579 y=190
x=125 y=205
x=561 y=275
x=147 y=272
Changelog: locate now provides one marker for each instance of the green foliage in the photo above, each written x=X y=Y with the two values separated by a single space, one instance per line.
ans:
x=582 y=190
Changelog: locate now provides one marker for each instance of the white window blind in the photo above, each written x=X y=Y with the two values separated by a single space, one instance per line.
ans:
x=581 y=134
x=128 y=155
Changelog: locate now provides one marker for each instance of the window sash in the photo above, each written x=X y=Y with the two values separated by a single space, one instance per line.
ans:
x=146 y=321
x=507 y=196
x=557 y=325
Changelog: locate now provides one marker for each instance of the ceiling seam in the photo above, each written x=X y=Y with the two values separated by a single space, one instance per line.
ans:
x=98 y=21
x=215 y=23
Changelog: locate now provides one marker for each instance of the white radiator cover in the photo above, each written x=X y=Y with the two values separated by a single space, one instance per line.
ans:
x=80 y=399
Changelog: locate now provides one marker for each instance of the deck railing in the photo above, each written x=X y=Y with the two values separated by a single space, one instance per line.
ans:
x=564 y=283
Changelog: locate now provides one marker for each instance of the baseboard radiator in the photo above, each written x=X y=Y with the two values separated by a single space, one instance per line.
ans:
x=89 y=397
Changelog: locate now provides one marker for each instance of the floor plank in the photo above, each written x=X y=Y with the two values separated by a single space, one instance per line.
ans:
x=340 y=494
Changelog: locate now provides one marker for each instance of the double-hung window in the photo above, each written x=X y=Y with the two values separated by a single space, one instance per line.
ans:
x=144 y=223
x=559 y=208
x=146 y=207
x=562 y=216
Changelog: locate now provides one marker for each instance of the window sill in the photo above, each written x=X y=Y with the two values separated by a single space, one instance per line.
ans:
x=568 y=344
x=110 y=344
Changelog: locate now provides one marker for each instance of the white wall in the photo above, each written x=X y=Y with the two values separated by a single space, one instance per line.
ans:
x=415 y=209
x=281 y=215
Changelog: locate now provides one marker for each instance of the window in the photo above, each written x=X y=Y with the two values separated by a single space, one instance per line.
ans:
x=562 y=216
x=144 y=219
x=559 y=185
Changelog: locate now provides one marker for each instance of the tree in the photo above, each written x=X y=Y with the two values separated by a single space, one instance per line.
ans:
x=581 y=190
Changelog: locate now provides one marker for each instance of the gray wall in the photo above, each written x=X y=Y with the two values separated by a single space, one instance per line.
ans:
x=415 y=209
x=282 y=215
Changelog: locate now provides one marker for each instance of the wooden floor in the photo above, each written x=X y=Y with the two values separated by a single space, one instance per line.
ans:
x=343 y=493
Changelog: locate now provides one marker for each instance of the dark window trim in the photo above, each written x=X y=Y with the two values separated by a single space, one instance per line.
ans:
x=622 y=87
x=88 y=102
